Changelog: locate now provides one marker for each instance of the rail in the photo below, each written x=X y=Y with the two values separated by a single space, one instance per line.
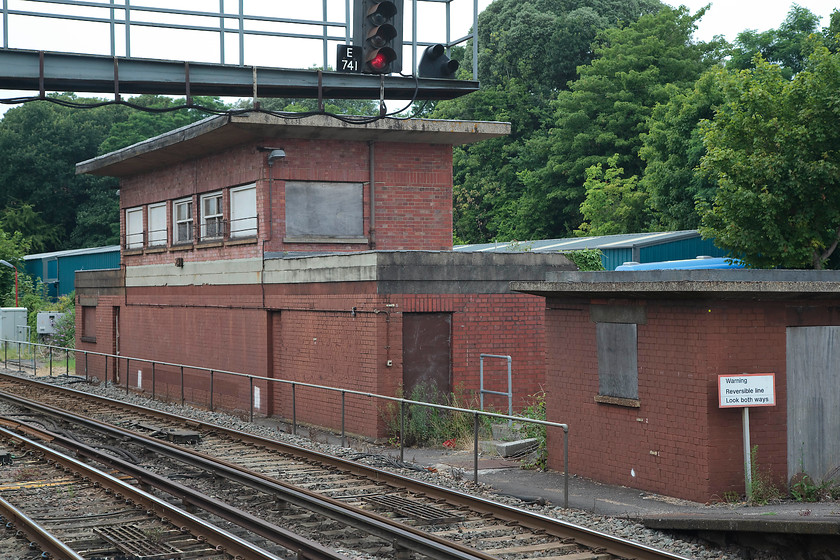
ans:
x=403 y=403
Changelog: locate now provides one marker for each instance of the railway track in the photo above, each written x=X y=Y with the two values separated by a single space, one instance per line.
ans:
x=410 y=518
x=72 y=511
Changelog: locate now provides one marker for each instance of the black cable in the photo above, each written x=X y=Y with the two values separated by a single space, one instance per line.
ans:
x=348 y=119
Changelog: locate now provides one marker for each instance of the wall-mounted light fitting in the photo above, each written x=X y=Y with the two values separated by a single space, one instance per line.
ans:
x=275 y=154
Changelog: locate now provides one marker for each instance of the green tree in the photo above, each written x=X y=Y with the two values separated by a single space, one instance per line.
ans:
x=614 y=203
x=774 y=148
x=162 y=115
x=40 y=143
x=606 y=111
x=300 y=105
x=12 y=249
x=786 y=46
x=24 y=220
x=672 y=150
x=529 y=50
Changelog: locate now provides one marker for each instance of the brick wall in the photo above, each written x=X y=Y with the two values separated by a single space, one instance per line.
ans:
x=678 y=442
x=308 y=334
x=413 y=195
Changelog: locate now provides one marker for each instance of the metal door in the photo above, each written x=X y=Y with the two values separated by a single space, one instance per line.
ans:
x=427 y=354
x=813 y=400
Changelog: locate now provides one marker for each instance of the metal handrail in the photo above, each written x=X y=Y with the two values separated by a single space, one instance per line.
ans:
x=294 y=384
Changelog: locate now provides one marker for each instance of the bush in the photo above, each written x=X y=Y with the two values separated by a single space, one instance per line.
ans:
x=427 y=426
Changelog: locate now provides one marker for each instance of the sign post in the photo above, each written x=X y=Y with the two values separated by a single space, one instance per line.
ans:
x=745 y=391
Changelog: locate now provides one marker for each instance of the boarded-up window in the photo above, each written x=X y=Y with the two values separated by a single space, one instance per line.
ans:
x=243 y=211
x=618 y=371
x=88 y=323
x=324 y=210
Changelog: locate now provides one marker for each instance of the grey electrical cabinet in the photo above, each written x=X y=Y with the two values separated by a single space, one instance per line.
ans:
x=13 y=324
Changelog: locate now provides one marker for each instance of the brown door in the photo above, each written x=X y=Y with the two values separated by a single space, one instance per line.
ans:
x=427 y=355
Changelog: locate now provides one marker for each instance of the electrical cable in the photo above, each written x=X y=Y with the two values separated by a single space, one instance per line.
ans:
x=348 y=119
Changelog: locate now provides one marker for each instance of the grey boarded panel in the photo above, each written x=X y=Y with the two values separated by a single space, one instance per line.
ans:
x=618 y=371
x=813 y=400
x=324 y=209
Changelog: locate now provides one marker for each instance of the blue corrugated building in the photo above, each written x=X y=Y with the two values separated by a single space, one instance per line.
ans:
x=616 y=249
x=58 y=270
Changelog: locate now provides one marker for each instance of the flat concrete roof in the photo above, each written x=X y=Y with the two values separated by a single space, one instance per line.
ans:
x=216 y=133
x=719 y=284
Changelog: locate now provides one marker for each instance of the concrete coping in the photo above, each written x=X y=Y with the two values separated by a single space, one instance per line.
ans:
x=215 y=134
x=719 y=283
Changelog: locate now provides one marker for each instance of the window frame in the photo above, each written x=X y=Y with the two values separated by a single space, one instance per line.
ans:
x=235 y=230
x=131 y=241
x=207 y=219
x=176 y=223
x=157 y=237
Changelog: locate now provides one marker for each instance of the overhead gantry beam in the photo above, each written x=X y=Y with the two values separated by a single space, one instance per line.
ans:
x=41 y=71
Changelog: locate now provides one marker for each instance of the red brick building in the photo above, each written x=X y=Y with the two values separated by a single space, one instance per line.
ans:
x=308 y=250
x=633 y=363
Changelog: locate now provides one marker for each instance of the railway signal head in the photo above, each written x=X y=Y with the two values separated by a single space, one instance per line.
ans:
x=435 y=64
x=377 y=30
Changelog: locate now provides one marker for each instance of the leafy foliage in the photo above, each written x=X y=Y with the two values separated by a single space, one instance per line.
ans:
x=529 y=50
x=586 y=259
x=614 y=203
x=672 y=150
x=605 y=112
x=786 y=46
x=774 y=149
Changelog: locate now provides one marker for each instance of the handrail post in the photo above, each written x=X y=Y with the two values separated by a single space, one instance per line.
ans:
x=106 y=371
x=343 y=393
x=566 y=467
x=251 y=398
x=153 y=380
x=50 y=347
x=86 y=366
x=67 y=362
x=127 y=373
x=294 y=411
x=182 y=385
x=402 y=431
x=475 y=447
x=212 y=377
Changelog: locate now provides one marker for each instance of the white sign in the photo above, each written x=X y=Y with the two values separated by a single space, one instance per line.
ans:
x=747 y=389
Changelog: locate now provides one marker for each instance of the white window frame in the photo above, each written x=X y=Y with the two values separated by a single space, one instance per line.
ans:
x=243 y=223
x=158 y=236
x=177 y=223
x=134 y=228
x=212 y=221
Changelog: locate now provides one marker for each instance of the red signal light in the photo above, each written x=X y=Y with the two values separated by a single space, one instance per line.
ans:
x=379 y=62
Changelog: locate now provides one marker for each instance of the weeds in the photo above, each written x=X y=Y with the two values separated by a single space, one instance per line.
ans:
x=426 y=426
x=536 y=411
x=763 y=489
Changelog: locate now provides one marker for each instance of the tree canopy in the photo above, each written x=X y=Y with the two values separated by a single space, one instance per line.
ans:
x=774 y=149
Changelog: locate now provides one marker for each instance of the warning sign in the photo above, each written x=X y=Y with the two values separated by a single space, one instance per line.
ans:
x=747 y=389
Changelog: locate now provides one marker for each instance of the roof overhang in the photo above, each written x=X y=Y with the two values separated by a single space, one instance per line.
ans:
x=214 y=134
x=684 y=284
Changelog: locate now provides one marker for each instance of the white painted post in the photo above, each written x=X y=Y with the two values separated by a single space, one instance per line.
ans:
x=747 y=458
